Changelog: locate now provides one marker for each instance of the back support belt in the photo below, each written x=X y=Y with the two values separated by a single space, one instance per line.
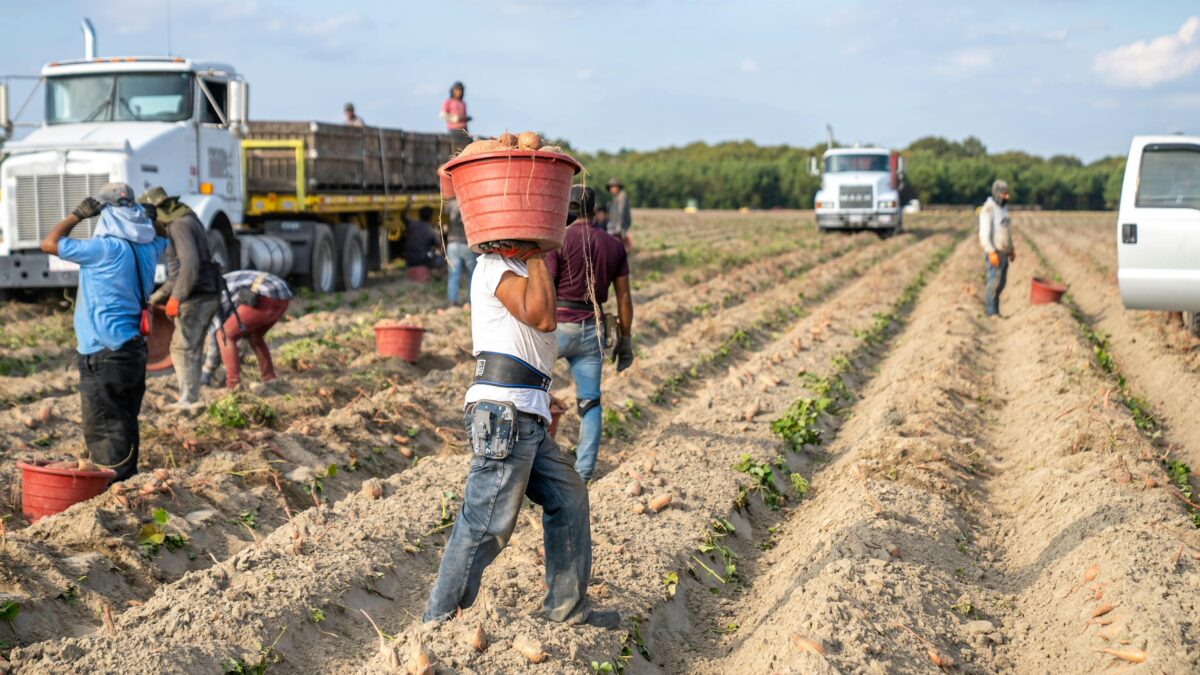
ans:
x=502 y=370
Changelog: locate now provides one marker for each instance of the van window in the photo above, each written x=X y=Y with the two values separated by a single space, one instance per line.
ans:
x=209 y=115
x=1170 y=177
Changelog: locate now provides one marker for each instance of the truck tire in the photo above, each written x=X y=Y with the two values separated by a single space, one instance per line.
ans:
x=1191 y=321
x=886 y=232
x=322 y=267
x=219 y=249
x=352 y=257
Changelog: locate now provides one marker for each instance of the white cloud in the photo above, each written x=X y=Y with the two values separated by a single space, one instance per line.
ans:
x=967 y=61
x=1146 y=63
x=329 y=25
x=748 y=66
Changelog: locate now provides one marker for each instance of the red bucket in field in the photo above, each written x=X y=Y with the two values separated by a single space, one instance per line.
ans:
x=399 y=340
x=419 y=273
x=514 y=194
x=158 y=345
x=48 y=490
x=1043 y=292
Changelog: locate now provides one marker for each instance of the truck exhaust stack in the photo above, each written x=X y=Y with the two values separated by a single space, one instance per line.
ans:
x=89 y=39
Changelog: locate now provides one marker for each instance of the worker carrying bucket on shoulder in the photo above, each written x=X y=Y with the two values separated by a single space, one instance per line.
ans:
x=507 y=407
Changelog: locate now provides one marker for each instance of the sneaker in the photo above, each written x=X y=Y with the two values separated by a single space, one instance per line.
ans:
x=608 y=619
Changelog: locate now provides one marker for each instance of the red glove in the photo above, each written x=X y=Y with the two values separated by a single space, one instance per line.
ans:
x=993 y=259
x=173 y=307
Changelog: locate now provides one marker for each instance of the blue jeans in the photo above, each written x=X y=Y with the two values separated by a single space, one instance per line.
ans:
x=460 y=258
x=577 y=344
x=997 y=277
x=491 y=503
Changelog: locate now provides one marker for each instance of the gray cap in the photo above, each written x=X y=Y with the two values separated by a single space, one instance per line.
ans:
x=999 y=187
x=116 y=193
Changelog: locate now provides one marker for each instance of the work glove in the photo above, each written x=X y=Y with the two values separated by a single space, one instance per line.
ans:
x=623 y=354
x=1012 y=255
x=994 y=259
x=173 y=307
x=519 y=250
x=90 y=207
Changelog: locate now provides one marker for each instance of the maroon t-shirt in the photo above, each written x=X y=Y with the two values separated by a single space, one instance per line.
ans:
x=567 y=267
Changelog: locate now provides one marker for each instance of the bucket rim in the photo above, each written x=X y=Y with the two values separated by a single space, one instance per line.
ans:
x=1049 y=285
x=399 y=326
x=512 y=153
x=39 y=466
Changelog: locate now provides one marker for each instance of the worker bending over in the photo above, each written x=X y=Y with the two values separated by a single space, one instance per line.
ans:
x=513 y=455
x=116 y=277
x=591 y=260
x=256 y=302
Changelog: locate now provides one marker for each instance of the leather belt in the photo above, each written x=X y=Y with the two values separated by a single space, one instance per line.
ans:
x=503 y=370
x=574 y=304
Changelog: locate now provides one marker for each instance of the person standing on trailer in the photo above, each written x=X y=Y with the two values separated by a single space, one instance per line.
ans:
x=352 y=118
x=256 y=301
x=116 y=277
x=458 y=253
x=507 y=418
x=190 y=293
x=454 y=113
x=995 y=235
x=619 y=216
x=590 y=261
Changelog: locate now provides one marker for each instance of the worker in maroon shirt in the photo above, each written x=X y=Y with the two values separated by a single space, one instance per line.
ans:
x=590 y=261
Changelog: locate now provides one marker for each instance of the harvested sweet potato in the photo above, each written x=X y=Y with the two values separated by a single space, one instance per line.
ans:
x=660 y=502
x=530 y=649
x=529 y=141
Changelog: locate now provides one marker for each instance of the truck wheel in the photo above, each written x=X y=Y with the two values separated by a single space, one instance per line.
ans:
x=352 y=257
x=885 y=232
x=1191 y=321
x=219 y=249
x=322 y=267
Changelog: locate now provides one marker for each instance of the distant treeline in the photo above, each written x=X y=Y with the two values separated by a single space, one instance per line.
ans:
x=939 y=171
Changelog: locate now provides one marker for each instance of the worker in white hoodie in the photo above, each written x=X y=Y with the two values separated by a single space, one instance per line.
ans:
x=995 y=235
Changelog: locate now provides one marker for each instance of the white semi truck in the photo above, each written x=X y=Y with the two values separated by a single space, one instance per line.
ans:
x=860 y=190
x=319 y=203
x=1158 y=227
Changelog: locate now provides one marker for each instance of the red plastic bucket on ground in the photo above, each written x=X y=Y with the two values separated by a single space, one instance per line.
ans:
x=420 y=274
x=399 y=340
x=48 y=490
x=514 y=194
x=158 y=345
x=1043 y=292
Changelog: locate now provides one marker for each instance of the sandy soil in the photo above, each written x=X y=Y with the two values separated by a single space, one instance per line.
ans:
x=865 y=476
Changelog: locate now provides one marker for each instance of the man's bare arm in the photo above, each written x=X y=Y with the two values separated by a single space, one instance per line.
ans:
x=624 y=305
x=530 y=300
x=60 y=230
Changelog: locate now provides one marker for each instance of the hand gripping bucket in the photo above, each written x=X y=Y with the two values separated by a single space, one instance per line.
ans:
x=513 y=194
x=48 y=490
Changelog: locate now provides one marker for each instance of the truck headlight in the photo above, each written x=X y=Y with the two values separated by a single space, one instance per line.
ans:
x=887 y=203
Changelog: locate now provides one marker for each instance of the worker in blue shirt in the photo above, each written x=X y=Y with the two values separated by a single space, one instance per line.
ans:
x=116 y=278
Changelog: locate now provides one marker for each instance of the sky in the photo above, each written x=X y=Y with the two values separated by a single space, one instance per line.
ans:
x=1048 y=77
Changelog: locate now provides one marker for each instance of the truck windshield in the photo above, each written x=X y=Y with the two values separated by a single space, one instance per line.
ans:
x=838 y=163
x=1170 y=178
x=115 y=97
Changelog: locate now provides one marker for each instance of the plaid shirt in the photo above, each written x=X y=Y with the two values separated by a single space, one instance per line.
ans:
x=268 y=286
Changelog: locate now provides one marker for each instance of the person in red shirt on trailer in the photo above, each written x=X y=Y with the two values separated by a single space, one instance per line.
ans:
x=454 y=111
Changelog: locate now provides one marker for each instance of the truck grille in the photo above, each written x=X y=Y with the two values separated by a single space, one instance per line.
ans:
x=44 y=200
x=855 y=197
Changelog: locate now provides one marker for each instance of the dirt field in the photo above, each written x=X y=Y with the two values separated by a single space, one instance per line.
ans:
x=866 y=475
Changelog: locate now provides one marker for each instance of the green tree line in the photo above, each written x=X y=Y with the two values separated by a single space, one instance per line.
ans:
x=939 y=171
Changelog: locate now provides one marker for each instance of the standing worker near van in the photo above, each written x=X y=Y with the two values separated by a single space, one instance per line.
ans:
x=995 y=235
x=619 y=216
x=590 y=260
x=454 y=112
x=191 y=291
x=116 y=277
x=507 y=418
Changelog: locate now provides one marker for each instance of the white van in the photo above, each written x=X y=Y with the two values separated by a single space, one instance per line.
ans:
x=1158 y=227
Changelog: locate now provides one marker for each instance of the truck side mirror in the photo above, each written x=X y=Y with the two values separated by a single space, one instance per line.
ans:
x=813 y=169
x=239 y=105
x=5 y=122
x=900 y=167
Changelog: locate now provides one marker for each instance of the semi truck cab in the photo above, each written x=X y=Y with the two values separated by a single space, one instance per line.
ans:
x=144 y=121
x=860 y=190
x=1158 y=227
